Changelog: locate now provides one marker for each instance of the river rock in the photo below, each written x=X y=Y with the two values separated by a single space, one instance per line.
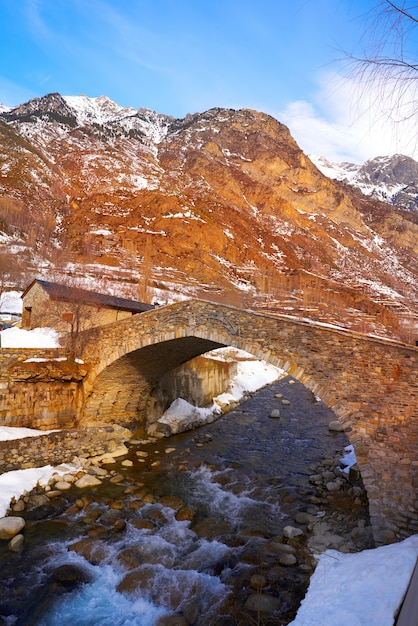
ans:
x=258 y=581
x=93 y=550
x=38 y=500
x=172 y=620
x=11 y=526
x=18 y=507
x=278 y=546
x=262 y=602
x=333 y=485
x=302 y=517
x=185 y=514
x=132 y=557
x=173 y=502
x=275 y=413
x=127 y=463
x=98 y=471
x=287 y=559
x=54 y=493
x=70 y=576
x=286 y=402
x=62 y=485
x=335 y=427
x=16 y=543
x=290 y=532
x=143 y=524
x=87 y=481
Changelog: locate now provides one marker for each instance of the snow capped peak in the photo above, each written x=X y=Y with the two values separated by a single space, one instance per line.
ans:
x=98 y=110
x=4 y=108
x=390 y=179
x=337 y=171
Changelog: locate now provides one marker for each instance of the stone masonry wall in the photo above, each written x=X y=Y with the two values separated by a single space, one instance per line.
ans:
x=198 y=381
x=49 y=313
x=43 y=393
x=58 y=447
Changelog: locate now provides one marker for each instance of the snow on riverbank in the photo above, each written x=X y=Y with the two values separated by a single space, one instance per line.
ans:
x=361 y=589
x=251 y=376
x=16 y=483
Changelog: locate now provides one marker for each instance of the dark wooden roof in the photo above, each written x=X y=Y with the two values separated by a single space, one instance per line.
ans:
x=64 y=293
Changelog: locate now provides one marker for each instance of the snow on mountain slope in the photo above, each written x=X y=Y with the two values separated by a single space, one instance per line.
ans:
x=96 y=110
x=392 y=179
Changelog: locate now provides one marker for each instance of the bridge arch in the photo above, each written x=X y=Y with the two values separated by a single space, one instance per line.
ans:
x=369 y=383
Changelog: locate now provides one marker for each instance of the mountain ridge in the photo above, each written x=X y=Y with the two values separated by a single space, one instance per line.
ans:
x=221 y=204
x=392 y=179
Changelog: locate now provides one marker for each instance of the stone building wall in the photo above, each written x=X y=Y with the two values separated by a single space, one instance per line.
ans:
x=40 y=311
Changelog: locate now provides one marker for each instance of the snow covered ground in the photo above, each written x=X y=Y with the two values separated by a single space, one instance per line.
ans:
x=361 y=589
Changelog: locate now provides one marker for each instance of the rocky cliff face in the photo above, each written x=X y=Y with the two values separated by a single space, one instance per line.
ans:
x=221 y=204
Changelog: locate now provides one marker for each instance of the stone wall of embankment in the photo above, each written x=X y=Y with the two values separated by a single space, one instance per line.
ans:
x=54 y=448
x=39 y=388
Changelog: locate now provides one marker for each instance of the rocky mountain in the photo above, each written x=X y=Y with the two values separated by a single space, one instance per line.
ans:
x=221 y=205
x=392 y=179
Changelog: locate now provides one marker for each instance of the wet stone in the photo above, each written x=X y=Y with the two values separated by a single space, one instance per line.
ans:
x=287 y=559
x=258 y=581
x=173 y=502
x=172 y=620
x=16 y=543
x=262 y=602
x=94 y=551
x=70 y=575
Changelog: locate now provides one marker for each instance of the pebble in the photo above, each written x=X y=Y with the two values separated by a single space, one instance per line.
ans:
x=258 y=581
x=287 y=559
x=262 y=602
x=275 y=413
x=87 y=481
x=62 y=485
x=290 y=532
x=16 y=543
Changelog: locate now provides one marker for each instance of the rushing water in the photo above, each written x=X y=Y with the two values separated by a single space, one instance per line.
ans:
x=192 y=533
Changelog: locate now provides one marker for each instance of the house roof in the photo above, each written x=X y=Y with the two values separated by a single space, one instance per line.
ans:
x=65 y=293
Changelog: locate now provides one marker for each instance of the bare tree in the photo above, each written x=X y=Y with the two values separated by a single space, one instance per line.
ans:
x=388 y=61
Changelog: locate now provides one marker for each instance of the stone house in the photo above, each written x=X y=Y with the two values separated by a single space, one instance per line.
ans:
x=65 y=308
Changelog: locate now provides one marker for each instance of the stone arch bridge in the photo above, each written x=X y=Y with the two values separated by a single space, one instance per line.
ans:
x=369 y=383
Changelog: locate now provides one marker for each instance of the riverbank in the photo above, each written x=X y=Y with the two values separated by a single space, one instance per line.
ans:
x=367 y=586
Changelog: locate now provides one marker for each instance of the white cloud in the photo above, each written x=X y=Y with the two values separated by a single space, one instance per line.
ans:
x=350 y=122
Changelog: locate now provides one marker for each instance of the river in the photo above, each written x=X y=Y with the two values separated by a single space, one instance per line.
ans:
x=195 y=531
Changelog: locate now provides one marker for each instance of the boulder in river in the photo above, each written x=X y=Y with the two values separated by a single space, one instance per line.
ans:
x=87 y=481
x=11 y=526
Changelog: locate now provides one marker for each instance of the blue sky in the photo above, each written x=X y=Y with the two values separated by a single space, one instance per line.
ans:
x=179 y=57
